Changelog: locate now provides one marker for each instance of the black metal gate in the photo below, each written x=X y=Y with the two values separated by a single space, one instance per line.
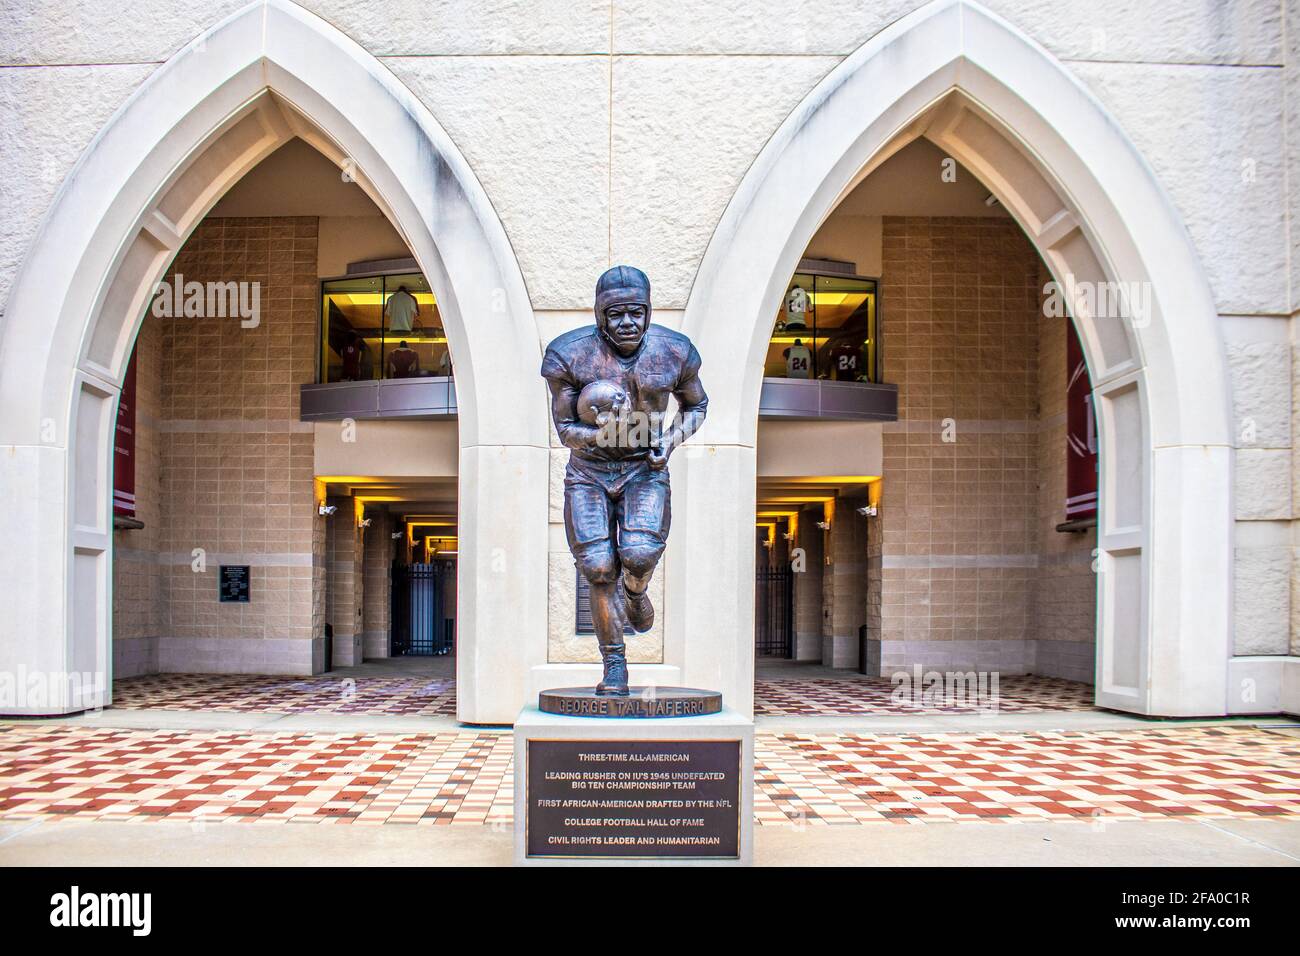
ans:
x=774 y=612
x=420 y=624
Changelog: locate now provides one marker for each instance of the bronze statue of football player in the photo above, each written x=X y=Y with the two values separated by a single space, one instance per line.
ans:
x=609 y=390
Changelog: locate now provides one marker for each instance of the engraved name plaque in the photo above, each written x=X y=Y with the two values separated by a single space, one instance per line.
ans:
x=634 y=799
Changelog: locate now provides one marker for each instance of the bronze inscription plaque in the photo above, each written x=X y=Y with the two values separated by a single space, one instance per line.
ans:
x=643 y=798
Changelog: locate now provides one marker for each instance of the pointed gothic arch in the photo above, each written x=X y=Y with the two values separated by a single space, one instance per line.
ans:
x=268 y=73
x=1088 y=201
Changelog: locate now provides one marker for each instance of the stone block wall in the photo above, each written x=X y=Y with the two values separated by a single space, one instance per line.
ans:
x=808 y=587
x=235 y=465
x=345 y=584
x=958 y=539
x=1261 y=367
x=377 y=578
x=844 y=583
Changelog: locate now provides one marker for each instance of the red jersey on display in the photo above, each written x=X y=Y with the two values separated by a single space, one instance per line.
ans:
x=404 y=362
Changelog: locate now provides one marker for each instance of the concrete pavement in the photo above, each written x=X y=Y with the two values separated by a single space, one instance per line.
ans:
x=1198 y=842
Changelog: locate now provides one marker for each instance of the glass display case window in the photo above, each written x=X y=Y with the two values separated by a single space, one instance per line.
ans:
x=825 y=329
x=378 y=327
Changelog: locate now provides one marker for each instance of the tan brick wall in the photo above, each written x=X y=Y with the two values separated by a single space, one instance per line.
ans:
x=965 y=567
x=957 y=532
x=345 y=584
x=844 y=584
x=377 y=584
x=808 y=588
x=235 y=464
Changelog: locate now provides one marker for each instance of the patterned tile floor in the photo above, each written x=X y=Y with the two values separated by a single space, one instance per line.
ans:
x=52 y=771
x=436 y=696
x=854 y=696
x=1139 y=774
x=420 y=696
x=286 y=777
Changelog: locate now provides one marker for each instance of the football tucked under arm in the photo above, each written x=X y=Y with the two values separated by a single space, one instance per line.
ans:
x=564 y=412
x=602 y=402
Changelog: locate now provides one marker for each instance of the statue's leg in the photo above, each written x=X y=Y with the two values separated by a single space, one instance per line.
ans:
x=599 y=565
x=643 y=517
x=588 y=523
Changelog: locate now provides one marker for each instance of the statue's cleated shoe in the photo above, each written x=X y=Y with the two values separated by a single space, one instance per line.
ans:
x=614 y=683
x=640 y=612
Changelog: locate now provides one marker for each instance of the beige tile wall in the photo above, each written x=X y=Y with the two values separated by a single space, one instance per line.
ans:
x=234 y=463
x=377 y=583
x=957 y=531
x=808 y=587
x=844 y=583
x=345 y=584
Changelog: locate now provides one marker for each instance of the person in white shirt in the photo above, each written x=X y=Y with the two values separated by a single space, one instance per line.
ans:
x=401 y=311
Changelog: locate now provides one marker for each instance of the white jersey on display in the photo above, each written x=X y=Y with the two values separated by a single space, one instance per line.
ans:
x=798 y=362
x=796 y=305
x=401 y=309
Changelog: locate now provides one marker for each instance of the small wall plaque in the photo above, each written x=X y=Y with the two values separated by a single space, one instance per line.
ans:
x=233 y=583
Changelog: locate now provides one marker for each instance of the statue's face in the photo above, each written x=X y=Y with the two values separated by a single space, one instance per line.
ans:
x=626 y=324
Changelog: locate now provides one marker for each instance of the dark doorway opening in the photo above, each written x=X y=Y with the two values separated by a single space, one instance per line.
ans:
x=774 y=612
x=423 y=615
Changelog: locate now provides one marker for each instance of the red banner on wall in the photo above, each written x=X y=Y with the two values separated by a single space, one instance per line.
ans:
x=124 y=448
x=1080 y=434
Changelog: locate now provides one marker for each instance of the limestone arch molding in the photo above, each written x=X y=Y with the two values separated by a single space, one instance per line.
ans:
x=1049 y=151
x=213 y=111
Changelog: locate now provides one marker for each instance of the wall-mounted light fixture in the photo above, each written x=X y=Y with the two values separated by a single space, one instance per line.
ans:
x=327 y=509
x=824 y=525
